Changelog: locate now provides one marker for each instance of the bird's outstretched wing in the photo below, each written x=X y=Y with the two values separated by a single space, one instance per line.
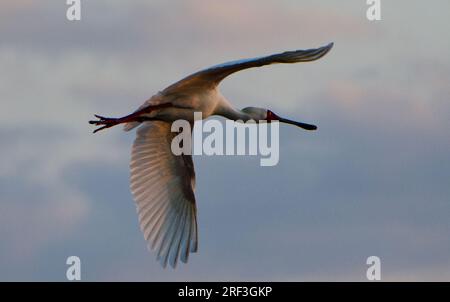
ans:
x=212 y=76
x=162 y=185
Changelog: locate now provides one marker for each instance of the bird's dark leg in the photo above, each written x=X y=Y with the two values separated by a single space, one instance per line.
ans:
x=108 y=122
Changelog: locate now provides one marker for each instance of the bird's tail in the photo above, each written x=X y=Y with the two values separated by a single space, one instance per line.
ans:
x=130 y=126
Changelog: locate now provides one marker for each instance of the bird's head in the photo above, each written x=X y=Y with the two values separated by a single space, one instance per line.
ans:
x=259 y=114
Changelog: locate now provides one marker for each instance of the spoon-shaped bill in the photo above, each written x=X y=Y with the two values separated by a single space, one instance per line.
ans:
x=298 y=124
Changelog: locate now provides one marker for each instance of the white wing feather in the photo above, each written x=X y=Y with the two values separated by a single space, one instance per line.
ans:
x=163 y=185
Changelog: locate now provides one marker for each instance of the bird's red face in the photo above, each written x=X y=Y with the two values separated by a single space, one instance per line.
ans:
x=273 y=117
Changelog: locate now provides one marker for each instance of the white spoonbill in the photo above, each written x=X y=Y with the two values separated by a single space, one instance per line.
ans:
x=163 y=184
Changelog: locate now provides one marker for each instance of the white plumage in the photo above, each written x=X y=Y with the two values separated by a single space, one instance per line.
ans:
x=163 y=187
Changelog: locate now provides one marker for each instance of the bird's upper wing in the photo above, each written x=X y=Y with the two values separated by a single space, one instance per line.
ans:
x=212 y=76
x=162 y=185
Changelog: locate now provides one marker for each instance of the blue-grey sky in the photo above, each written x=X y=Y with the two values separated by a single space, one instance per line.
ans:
x=373 y=180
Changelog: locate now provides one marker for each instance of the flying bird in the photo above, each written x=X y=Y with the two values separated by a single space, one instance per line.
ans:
x=162 y=183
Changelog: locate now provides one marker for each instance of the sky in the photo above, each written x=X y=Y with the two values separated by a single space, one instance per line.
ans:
x=372 y=180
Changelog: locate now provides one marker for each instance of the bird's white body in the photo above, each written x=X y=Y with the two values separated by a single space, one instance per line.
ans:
x=198 y=99
x=208 y=102
x=163 y=184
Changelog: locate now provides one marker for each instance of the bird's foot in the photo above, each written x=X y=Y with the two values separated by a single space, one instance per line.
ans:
x=108 y=122
x=105 y=122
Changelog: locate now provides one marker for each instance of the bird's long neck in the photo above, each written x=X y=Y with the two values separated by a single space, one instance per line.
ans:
x=225 y=109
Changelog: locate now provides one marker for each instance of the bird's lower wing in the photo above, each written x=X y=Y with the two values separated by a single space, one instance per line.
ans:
x=162 y=185
x=212 y=76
